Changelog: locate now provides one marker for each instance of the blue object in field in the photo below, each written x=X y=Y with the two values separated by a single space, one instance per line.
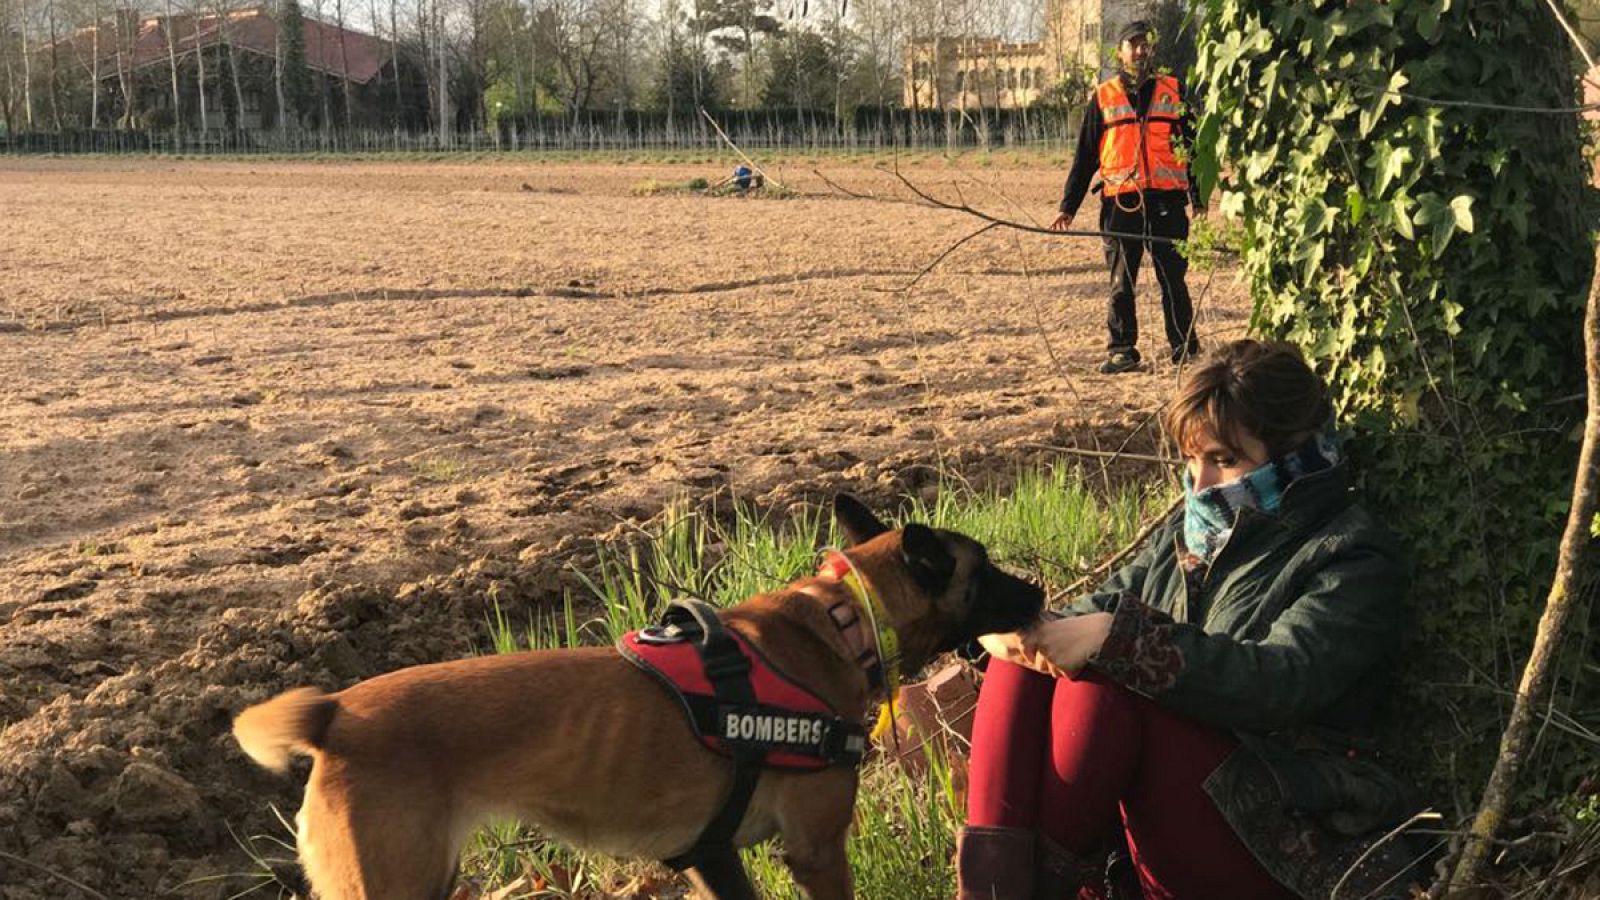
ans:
x=741 y=177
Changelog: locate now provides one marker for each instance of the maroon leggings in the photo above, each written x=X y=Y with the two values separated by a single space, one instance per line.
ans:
x=1077 y=760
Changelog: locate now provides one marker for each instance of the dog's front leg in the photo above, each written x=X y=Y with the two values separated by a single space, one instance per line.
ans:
x=814 y=813
x=820 y=868
x=721 y=876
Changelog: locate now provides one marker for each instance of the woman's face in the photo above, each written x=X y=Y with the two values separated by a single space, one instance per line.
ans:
x=1211 y=462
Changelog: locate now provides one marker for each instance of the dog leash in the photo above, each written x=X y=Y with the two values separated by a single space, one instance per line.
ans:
x=885 y=641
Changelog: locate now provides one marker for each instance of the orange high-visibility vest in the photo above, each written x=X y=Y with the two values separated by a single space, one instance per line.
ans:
x=1139 y=156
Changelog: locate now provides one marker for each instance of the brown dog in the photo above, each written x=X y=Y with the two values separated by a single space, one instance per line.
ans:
x=586 y=746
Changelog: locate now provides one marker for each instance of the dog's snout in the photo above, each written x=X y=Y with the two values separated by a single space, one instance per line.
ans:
x=1006 y=602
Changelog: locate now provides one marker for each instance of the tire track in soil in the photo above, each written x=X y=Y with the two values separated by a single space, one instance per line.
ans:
x=572 y=291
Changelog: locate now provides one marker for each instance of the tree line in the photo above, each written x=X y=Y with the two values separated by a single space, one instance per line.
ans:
x=467 y=65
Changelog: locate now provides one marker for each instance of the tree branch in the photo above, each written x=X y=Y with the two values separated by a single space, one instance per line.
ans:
x=1564 y=592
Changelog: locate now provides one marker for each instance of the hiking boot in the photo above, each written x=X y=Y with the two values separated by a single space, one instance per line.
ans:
x=994 y=863
x=1181 y=355
x=1120 y=361
x=1058 y=874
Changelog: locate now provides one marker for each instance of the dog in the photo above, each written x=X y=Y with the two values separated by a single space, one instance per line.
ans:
x=584 y=745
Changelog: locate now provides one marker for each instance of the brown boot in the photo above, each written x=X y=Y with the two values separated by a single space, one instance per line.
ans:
x=1058 y=874
x=994 y=863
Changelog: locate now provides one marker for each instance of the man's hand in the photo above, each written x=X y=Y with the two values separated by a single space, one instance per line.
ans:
x=1201 y=210
x=1062 y=223
x=1067 y=644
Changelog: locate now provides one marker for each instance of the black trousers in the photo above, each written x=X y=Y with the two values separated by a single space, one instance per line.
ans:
x=1159 y=217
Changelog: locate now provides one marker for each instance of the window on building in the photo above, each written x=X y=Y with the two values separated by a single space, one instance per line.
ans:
x=961 y=79
x=1091 y=32
x=1038 y=78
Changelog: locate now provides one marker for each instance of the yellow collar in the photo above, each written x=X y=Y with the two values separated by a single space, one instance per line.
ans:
x=886 y=641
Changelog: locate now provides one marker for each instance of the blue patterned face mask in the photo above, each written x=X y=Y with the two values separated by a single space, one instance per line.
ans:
x=1209 y=515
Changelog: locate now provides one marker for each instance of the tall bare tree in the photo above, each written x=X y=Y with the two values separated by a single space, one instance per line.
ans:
x=9 y=29
x=224 y=10
x=344 y=60
x=54 y=81
x=394 y=55
x=578 y=32
x=880 y=27
x=94 y=64
x=534 y=11
x=200 y=73
x=277 y=67
x=446 y=126
x=326 y=122
x=27 y=65
x=170 y=26
x=126 y=34
x=623 y=35
x=508 y=47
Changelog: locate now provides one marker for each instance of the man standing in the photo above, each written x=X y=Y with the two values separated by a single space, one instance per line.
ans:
x=1134 y=134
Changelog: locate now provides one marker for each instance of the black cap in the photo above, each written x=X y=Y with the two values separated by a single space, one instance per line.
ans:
x=1136 y=28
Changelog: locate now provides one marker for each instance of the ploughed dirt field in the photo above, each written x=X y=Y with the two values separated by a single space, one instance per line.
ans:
x=274 y=423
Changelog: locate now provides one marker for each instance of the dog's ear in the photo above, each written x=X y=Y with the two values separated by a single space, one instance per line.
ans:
x=930 y=561
x=857 y=522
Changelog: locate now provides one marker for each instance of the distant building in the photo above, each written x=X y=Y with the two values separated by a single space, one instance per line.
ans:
x=963 y=73
x=140 y=64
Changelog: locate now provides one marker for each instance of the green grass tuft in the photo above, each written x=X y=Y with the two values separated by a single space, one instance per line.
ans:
x=1050 y=524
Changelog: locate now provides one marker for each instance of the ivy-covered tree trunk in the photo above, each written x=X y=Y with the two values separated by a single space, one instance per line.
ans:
x=1430 y=254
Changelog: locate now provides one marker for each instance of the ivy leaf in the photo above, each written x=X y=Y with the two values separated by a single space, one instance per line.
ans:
x=1452 y=317
x=1380 y=102
x=1461 y=206
x=1355 y=204
x=1433 y=210
x=1390 y=163
x=1408 y=407
x=1428 y=19
x=1400 y=209
x=1206 y=163
x=1426 y=128
x=1516 y=212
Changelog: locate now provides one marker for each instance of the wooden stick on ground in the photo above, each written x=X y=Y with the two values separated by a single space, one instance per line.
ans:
x=53 y=874
x=748 y=161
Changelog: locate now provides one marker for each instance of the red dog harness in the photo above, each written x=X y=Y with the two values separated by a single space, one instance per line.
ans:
x=741 y=706
x=792 y=727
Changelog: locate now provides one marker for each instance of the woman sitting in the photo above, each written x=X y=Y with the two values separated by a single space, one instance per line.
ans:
x=1212 y=704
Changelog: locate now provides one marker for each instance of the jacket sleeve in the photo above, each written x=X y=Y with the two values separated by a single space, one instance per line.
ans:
x=1085 y=160
x=1347 y=617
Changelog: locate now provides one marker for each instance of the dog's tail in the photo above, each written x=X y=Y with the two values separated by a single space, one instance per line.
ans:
x=292 y=722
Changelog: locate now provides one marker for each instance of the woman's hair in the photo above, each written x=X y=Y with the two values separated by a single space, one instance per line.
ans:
x=1247 y=387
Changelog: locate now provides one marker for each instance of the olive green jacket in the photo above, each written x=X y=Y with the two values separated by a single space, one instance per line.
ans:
x=1286 y=640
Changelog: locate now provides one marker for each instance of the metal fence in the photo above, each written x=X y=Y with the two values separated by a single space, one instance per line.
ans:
x=632 y=132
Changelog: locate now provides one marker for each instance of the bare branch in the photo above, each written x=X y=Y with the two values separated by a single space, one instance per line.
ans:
x=1104 y=568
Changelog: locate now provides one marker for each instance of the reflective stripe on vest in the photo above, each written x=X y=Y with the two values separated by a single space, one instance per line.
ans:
x=1138 y=155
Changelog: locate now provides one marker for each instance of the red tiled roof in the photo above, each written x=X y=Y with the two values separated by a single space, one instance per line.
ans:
x=251 y=30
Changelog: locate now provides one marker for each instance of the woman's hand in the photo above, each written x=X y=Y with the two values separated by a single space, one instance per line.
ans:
x=1006 y=646
x=1059 y=648
x=1065 y=645
x=1010 y=647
